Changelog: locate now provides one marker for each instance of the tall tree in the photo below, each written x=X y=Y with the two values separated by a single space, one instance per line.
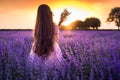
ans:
x=114 y=16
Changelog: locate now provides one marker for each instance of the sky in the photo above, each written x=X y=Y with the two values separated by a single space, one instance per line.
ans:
x=21 y=14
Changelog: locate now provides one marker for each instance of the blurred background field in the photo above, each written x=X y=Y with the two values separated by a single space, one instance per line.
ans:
x=90 y=55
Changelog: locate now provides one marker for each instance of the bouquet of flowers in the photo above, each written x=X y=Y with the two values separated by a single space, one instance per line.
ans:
x=63 y=17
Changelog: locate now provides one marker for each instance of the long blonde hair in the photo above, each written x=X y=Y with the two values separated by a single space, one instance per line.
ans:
x=44 y=31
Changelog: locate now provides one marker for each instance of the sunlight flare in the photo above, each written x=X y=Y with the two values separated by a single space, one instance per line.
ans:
x=76 y=14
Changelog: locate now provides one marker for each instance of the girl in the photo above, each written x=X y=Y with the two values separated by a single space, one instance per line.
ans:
x=45 y=50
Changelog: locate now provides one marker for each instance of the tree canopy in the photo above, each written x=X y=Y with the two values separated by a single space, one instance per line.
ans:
x=92 y=22
x=78 y=24
x=114 y=16
x=89 y=22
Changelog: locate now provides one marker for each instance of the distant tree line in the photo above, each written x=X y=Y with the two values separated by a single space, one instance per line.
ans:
x=89 y=23
x=94 y=23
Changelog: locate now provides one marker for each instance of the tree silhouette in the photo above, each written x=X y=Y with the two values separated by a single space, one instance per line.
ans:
x=74 y=25
x=78 y=24
x=87 y=23
x=114 y=15
x=92 y=22
x=84 y=25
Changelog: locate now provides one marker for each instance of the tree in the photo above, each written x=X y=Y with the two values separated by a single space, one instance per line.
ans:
x=92 y=22
x=87 y=23
x=62 y=27
x=78 y=24
x=114 y=16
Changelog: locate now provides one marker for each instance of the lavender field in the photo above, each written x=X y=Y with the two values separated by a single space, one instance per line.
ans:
x=89 y=55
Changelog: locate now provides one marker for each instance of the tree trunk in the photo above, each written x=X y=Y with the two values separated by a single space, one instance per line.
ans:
x=96 y=28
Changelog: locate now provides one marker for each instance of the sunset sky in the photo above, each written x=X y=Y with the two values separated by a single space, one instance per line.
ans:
x=21 y=14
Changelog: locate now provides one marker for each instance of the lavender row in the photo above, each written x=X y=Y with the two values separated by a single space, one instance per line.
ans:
x=89 y=55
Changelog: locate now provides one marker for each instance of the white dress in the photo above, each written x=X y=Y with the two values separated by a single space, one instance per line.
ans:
x=53 y=60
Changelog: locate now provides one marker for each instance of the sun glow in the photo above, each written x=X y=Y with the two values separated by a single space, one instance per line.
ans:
x=78 y=10
x=76 y=14
x=22 y=13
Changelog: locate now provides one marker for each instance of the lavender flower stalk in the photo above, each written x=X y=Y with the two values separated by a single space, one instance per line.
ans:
x=63 y=17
